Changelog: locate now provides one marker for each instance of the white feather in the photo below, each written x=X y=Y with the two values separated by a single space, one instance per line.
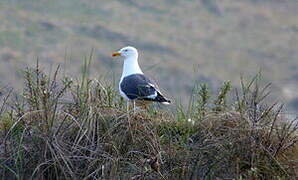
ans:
x=153 y=96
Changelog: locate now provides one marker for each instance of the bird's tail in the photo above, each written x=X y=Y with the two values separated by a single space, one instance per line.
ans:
x=160 y=98
x=166 y=102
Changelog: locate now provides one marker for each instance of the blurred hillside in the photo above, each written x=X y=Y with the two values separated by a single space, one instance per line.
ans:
x=182 y=41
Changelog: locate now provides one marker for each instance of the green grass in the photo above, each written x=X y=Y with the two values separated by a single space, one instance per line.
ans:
x=60 y=128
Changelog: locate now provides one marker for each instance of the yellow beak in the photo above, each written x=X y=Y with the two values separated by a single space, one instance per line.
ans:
x=116 y=54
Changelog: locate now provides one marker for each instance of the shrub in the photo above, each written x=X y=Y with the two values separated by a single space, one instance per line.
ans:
x=61 y=129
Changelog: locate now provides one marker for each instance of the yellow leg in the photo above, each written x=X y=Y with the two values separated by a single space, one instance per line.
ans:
x=127 y=106
x=134 y=107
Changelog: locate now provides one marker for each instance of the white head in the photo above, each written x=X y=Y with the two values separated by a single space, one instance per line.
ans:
x=127 y=52
x=130 y=64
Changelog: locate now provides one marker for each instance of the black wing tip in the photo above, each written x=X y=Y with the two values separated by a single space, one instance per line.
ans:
x=161 y=99
x=167 y=102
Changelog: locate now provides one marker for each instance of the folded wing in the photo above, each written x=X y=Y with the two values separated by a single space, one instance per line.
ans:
x=139 y=87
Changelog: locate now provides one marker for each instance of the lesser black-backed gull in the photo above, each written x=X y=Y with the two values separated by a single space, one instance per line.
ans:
x=134 y=85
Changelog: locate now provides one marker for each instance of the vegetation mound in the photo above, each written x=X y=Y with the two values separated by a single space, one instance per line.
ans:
x=62 y=129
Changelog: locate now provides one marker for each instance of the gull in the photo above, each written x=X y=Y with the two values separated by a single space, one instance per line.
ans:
x=134 y=86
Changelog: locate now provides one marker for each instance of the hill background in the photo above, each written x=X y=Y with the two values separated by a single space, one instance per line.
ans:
x=180 y=42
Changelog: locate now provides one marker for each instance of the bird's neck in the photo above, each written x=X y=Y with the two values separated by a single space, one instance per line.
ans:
x=131 y=66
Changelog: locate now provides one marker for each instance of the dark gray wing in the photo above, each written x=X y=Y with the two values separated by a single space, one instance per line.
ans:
x=138 y=86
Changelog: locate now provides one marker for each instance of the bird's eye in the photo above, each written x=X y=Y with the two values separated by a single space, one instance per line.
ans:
x=125 y=50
